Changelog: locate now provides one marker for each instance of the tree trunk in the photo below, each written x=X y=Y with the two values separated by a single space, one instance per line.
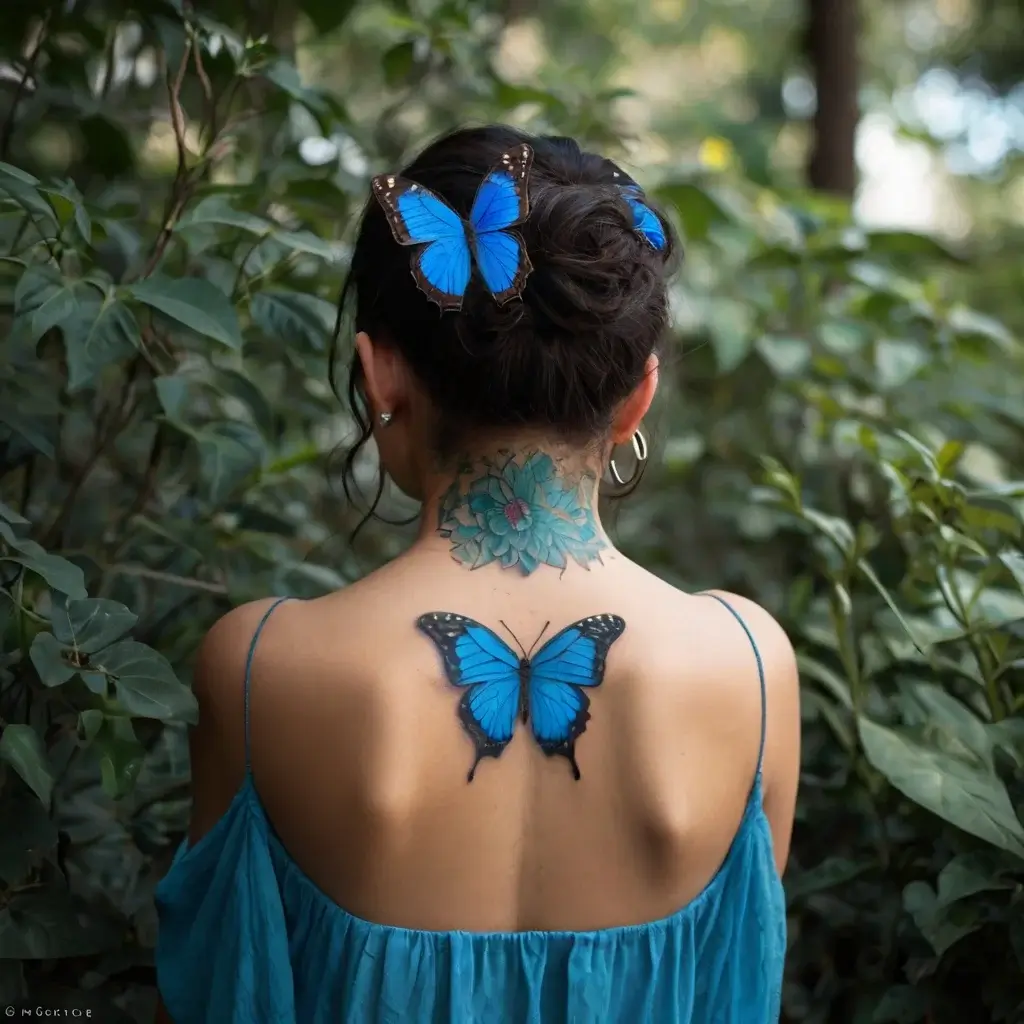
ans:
x=832 y=49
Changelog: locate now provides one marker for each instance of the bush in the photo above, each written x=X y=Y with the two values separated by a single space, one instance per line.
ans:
x=836 y=444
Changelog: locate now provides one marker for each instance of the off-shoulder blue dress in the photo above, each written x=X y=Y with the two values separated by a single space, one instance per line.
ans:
x=246 y=937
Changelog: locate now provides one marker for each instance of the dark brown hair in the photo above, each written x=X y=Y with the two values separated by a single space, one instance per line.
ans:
x=564 y=356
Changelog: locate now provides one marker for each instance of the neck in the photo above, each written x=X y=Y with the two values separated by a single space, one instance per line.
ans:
x=521 y=508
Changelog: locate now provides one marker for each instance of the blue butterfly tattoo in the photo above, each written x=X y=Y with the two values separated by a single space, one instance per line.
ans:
x=548 y=690
x=450 y=244
x=645 y=220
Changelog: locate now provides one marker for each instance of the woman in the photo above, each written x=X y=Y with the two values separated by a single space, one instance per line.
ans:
x=510 y=776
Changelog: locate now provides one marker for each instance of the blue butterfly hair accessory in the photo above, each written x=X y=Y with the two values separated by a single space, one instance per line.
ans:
x=645 y=221
x=451 y=245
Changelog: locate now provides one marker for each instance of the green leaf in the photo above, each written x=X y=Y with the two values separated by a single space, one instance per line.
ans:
x=1014 y=561
x=898 y=361
x=121 y=756
x=229 y=453
x=865 y=568
x=969 y=874
x=829 y=874
x=509 y=96
x=811 y=668
x=173 y=393
x=837 y=530
x=59 y=573
x=939 y=709
x=99 y=334
x=732 y=333
x=38 y=431
x=941 y=926
x=10 y=174
x=307 y=242
x=96 y=681
x=949 y=456
x=968 y=796
x=216 y=210
x=294 y=318
x=66 y=202
x=90 y=722
x=48 y=658
x=842 y=338
x=47 y=299
x=698 y=209
x=927 y=455
x=197 y=304
x=993 y=517
x=326 y=15
x=23 y=190
x=22 y=748
x=398 y=62
x=9 y=515
x=787 y=357
x=145 y=683
x=92 y=624
x=970 y=323
x=908 y=243
x=238 y=386
x=98 y=330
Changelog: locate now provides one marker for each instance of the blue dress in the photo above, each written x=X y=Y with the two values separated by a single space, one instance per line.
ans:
x=247 y=938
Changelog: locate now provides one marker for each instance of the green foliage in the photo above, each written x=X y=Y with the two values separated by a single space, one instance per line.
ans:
x=841 y=446
x=837 y=443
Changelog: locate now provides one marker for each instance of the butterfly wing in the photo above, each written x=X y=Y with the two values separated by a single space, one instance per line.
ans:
x=645 y=220
x=475 y=657
x=565 y=666
x=501 y=202
x=418 y=217
x=442 y=271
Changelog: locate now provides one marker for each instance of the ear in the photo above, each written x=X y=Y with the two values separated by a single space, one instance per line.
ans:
x=383 y=373
x=635 y=407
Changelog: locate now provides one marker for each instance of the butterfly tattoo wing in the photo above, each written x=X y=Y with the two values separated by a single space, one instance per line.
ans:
x=501 y=202
x=560 y=673
x=418 y=217
x=477 y=659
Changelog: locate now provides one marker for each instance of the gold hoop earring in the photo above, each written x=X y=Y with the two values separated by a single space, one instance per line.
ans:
x=640 y=451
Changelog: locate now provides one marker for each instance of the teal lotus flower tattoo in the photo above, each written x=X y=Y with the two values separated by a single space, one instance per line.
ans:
x=521 y=513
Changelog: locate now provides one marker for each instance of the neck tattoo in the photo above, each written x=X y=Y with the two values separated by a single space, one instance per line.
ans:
x=521 y=511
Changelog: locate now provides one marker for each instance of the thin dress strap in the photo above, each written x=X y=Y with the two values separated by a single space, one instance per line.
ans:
x=760 y=671
x=248 y=675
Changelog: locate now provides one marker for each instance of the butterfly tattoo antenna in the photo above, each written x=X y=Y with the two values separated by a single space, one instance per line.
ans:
x=527 y=654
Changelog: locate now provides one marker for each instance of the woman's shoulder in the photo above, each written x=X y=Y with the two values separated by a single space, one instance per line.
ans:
x=701 y=614
x=765 y=631
x=743 y=629
x=273 y=639
x=729 y=647
x=224 y=653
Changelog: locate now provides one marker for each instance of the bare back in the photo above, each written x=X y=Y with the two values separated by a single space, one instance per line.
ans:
x=361 y=761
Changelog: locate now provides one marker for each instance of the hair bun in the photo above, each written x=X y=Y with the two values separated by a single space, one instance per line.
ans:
x=592 y=267
x=573 y=346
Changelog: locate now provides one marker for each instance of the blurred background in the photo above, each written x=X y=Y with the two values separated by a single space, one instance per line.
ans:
x=839 y=435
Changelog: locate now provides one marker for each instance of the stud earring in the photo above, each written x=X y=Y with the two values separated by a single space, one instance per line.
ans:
x=385 y=418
